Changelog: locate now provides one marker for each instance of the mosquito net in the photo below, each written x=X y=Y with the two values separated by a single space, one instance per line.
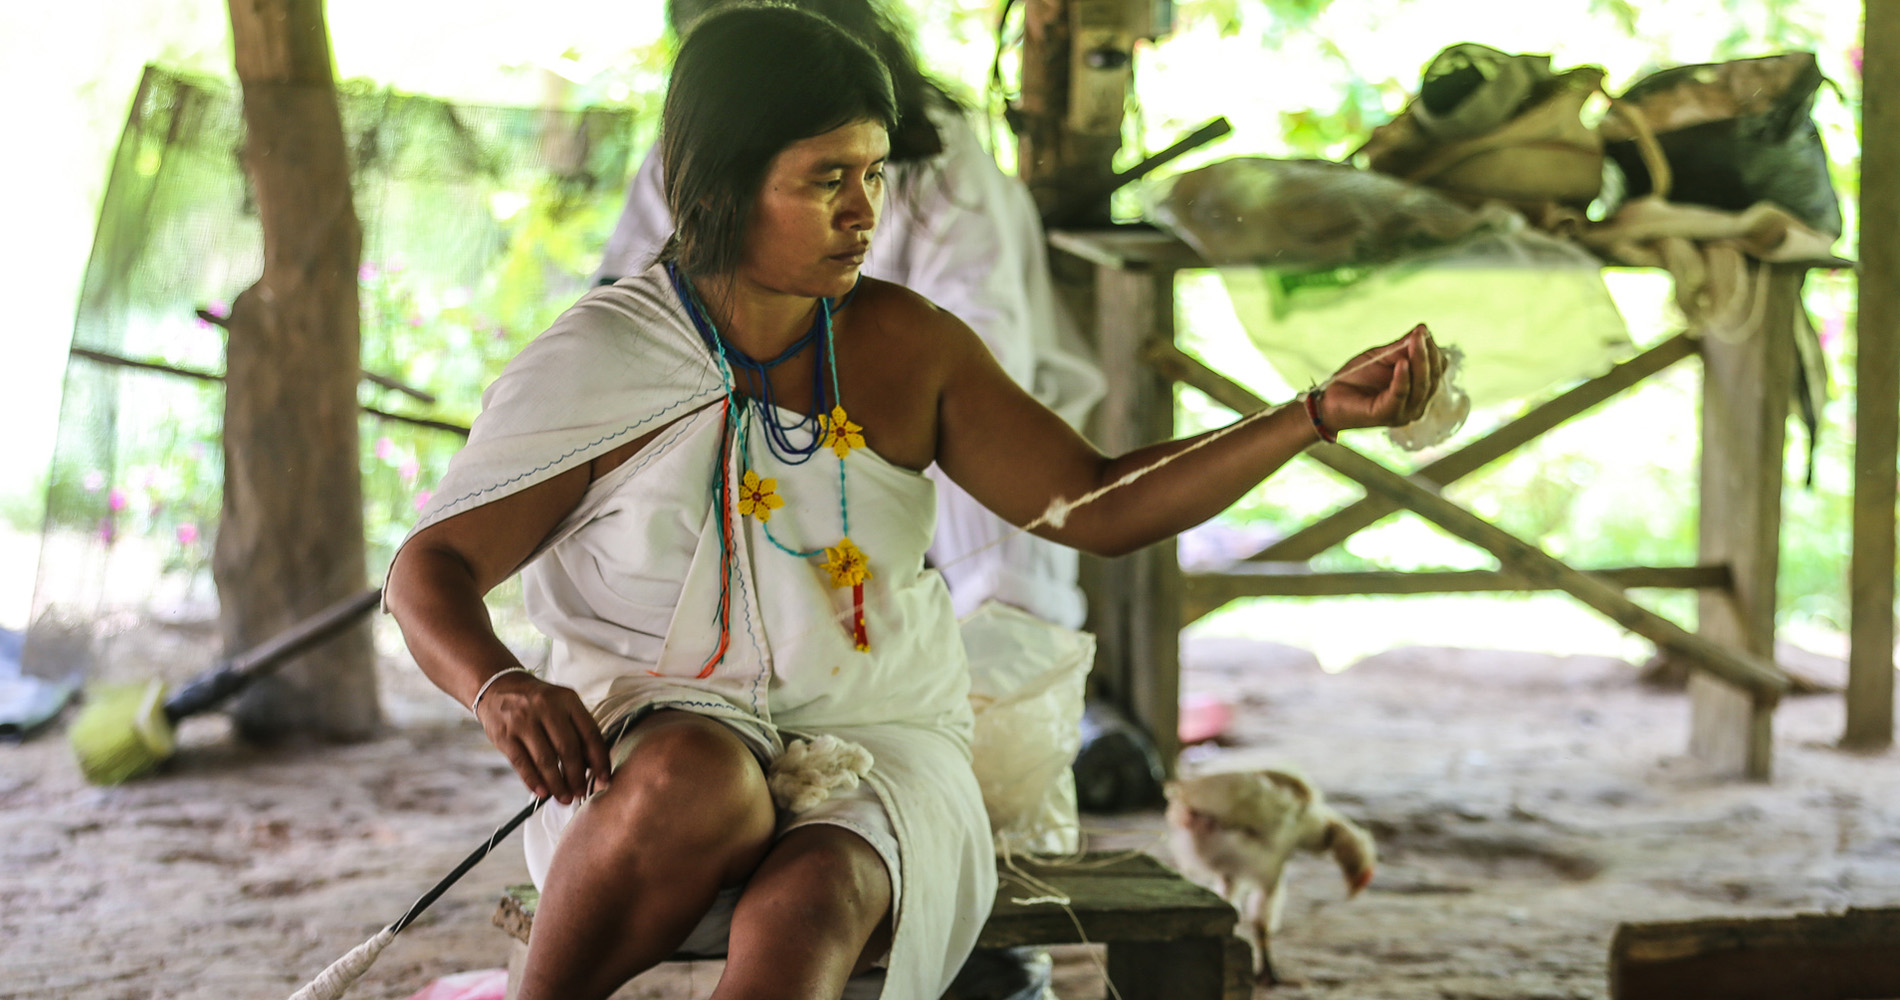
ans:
x=480 y=225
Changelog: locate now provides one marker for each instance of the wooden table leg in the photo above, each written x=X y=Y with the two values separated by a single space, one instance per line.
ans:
x=1745 y=390
x=1191 y=969
x=1135 y=601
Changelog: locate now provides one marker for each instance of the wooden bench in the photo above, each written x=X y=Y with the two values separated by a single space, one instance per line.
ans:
x=1166 y=936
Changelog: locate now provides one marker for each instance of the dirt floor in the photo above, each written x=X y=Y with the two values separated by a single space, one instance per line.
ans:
x=1524 y=805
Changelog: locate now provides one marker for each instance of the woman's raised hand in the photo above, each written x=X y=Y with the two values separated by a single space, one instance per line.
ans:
x=1387 y=386
x=547 y=734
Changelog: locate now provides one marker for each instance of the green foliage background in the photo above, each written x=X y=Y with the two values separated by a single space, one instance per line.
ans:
x=1296 y=77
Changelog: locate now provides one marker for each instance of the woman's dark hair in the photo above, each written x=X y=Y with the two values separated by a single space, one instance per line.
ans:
x=750 y=80
x=874 y=24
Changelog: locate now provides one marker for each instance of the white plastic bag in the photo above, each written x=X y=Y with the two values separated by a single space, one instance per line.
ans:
x=1026 y=685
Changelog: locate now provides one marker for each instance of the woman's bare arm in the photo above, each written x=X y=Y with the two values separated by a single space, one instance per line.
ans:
x=1015 y=456
x=435 y=592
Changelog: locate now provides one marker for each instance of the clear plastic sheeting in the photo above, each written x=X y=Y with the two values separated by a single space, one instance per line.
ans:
x=1026 y=687
x=480 y=224
x=1322 y=261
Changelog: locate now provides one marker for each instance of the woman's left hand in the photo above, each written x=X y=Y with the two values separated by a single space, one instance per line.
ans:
x=1387 y=386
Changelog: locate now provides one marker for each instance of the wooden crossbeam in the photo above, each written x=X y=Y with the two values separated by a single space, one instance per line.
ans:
x=1766 y=682
x=1206 y=592
x=1336 y=527
x=200 y=375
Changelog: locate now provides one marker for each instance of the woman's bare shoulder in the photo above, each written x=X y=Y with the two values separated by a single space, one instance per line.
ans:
x=898 y=311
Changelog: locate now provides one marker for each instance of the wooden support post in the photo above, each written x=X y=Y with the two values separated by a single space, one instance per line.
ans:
x=1135 y=601
x=1870 y=669
x=1745 y=390
x=1071 y=111
x=290 y=538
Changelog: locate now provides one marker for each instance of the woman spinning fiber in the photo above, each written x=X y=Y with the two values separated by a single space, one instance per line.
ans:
x=709 y=475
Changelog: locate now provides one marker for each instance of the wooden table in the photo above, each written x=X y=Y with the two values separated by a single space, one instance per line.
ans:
x=1140 y=603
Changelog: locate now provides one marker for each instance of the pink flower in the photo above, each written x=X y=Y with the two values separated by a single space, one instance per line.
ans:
x=415 y=319
x=409 y=470
x=385 y=448
x=108 y=532
x=115 y=501
x=216 y=307
x=422 y=500
x=368 y=272
x=1853 y=59
x=187 y=534
x=93 y=481
x=1832 y=329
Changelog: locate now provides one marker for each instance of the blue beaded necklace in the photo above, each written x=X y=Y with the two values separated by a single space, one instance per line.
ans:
x=758 y=497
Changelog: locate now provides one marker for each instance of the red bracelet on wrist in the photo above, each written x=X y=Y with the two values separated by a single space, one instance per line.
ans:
x=1311 y=399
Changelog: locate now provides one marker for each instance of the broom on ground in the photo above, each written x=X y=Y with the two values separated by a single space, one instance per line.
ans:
x=126 y=730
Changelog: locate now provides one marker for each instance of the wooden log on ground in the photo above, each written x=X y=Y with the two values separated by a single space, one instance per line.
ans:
x=290 y=539
x=1846 y=956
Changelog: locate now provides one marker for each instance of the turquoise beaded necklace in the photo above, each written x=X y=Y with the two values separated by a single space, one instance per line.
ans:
x=756 y=496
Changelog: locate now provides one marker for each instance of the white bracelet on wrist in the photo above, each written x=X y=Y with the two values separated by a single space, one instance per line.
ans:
x=475 y=705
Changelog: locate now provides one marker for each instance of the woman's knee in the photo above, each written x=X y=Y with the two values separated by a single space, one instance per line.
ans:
x=692 y=780
x=835 y=870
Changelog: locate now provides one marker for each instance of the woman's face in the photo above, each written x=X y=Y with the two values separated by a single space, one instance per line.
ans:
x=813 y=218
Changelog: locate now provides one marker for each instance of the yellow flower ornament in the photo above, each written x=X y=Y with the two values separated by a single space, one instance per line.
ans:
x=847 y=565
x=841 y=435
x=759 y=497
x=849 y=568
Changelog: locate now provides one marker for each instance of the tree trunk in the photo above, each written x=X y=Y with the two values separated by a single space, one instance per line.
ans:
x=290 y=541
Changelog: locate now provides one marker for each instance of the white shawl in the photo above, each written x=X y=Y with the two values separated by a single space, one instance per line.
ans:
x=627 y=586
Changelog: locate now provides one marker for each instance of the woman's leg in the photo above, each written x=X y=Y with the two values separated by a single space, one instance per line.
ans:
x=687 y=814
x=816 y=911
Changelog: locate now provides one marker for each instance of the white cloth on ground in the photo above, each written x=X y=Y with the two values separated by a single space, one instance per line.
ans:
x=628 y=586
x=963 y=234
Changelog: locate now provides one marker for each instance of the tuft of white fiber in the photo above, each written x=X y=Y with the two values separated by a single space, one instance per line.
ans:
x=1444 y=414
x=332 y=982
x=1058 y=513
x=805 y=774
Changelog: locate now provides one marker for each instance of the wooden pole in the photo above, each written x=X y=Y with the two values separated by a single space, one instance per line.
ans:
x=1877 y=372
x=1071 y=105
x=290 y=540
x=1745 y=393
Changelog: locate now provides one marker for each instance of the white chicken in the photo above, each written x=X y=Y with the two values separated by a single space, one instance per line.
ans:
x=1237 y=829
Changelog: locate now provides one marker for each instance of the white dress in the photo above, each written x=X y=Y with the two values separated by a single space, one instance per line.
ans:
x=961 y=233
x=628 y=589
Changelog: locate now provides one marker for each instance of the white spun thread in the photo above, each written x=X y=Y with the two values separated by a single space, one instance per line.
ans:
x=332 y=982
x=1055 y=896
x=1059 y=509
